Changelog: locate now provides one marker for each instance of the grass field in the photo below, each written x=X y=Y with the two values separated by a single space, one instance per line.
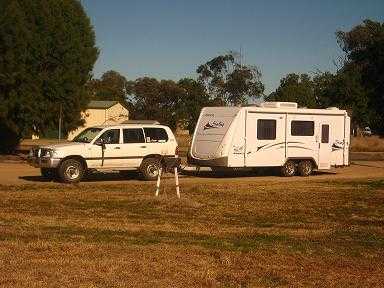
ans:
x=367 y=144
x=297 y=234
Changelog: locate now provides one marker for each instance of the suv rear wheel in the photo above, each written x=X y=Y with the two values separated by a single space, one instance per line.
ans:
x=71 y=171
x=150 y=168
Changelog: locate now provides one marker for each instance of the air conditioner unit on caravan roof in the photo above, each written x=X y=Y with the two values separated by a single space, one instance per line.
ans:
x=292 y=105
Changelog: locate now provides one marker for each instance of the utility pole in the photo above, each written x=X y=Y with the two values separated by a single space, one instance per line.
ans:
x=60 y=119
x=241 y=56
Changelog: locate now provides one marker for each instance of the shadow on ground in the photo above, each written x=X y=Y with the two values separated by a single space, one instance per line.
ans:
x=132 y=175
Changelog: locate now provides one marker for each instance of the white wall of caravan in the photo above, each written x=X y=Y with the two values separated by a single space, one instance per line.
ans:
x=347 y=139
x=260 y=151
x=337 y=140
x=213 y=125
x=301 y=146
x=237 y=146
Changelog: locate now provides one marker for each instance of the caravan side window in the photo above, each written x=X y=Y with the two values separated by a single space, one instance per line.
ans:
x=302 y=128
x=266 y=129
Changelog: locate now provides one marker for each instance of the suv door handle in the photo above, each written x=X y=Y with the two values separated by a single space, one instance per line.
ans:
x=143 y=146
x=117 y=147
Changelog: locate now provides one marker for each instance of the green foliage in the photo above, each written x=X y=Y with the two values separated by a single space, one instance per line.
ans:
x=112 y=86
x=167 y=101
x=158 y=100
x=229 y=82
x=344 y=90
x=295 y=88
x=364 y=48
x=47 y=52
x=194 y=98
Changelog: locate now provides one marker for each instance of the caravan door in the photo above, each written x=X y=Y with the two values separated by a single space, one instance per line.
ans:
x=265 y=139
x=325 y=148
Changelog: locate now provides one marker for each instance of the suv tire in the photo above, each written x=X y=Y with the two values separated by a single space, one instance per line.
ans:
x=305 y=168
x=289 y=169
x=71 y=171
x=150 y=168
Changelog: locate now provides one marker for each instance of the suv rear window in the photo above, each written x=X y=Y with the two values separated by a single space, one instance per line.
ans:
x=133 y=136
x=156 y=135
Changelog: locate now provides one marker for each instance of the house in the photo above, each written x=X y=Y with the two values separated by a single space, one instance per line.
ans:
x=101 y=113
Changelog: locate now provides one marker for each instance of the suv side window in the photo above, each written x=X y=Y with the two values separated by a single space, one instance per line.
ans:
x=156 y=135
x=133 y=135
x=111 y=136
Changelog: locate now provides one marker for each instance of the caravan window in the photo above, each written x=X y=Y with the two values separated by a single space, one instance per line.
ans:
x=266 y=129
x=302 y=128
x=324 y=133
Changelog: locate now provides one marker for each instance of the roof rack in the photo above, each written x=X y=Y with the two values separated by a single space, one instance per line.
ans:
x=148 y=122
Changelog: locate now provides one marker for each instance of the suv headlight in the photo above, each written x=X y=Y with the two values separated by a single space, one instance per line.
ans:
x=48 y=153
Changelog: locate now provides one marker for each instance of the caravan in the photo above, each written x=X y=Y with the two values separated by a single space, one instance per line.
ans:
x=272 y=134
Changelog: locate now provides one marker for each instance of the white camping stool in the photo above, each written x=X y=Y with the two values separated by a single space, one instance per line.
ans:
x=169 y=164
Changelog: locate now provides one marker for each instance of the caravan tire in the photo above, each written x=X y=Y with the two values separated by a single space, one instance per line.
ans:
x=289 y=169
x=305 y=168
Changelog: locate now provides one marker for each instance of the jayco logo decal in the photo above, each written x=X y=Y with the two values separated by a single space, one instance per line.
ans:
x=213 y=125
x=337 y=145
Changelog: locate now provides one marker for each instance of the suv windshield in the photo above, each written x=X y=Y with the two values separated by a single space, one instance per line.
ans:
x=87 y=135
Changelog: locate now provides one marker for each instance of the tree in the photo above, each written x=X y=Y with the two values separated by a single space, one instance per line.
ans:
x=194 y=98
x=111 y=86
x=229 y=82
x=344 y=90
x=364 y=49
x=146 y=96
x=47 y=53
x=295 y=88
x=158 y=100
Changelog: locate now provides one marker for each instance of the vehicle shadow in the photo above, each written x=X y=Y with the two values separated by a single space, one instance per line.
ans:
x=92 y=177
x=261 y=172
x=113 y=176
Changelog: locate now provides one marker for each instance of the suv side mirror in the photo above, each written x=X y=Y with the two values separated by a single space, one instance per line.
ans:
x=100 y=142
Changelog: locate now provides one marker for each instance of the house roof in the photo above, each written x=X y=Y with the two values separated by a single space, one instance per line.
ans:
x=101 y=104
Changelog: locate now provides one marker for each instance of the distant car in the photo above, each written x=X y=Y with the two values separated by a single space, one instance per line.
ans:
x=114 y=147
x=367 y=132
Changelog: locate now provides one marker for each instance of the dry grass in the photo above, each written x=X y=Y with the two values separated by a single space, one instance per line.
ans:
x=247 y=235
x=367 y=144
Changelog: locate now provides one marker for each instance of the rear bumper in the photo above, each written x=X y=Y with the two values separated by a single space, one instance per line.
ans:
x=43 y=162
x=217 y=162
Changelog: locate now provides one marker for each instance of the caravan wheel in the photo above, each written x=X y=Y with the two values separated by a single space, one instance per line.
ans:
x=305 y=168
x=289 y=169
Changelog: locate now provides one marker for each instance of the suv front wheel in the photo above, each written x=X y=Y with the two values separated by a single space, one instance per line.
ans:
x=71 y=171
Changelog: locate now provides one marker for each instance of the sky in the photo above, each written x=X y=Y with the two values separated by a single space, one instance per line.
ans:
x=169 y=39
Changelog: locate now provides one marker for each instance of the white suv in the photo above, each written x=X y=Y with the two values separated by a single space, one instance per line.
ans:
x=117 y=147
